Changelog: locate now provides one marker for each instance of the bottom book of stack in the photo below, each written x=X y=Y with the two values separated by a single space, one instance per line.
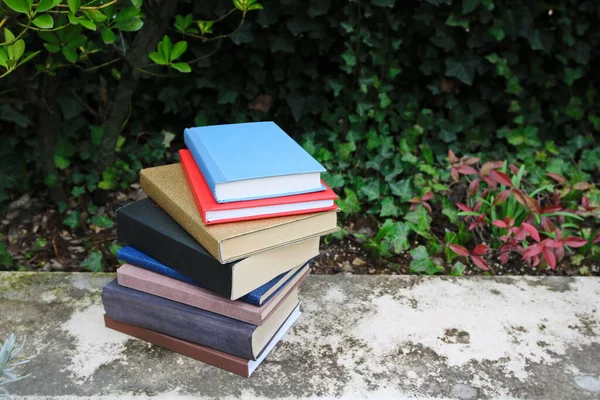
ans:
x=234 y=335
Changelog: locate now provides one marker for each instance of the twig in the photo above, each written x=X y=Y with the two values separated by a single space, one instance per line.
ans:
x=84 y=104
x=102 y=65
x=217 y=47
x=3 y=22
x=56 y=251
x=110 y=3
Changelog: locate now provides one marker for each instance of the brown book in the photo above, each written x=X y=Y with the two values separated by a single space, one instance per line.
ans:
x=219 y=359
x=167 y=186
x=195 y=296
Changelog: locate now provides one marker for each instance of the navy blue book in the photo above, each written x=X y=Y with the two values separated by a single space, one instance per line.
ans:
x=146 y=227
x=253 y=160
x=194 y=324
x=256 y=297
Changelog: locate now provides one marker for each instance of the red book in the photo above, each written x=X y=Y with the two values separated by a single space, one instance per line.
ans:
x=218 y=213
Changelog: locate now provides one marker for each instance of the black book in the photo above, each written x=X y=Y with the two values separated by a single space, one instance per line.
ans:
x=144 y=226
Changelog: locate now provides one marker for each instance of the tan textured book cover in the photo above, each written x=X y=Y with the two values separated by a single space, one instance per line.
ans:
x=195 y=296
x=168 y=187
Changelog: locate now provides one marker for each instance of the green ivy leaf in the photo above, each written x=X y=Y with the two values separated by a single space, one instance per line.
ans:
x=227 y=97
x=108 y=36
x=421 y=262
x=402 y=189
x=462 y=70
x=336 y=87
x=93 y=261
x=469 y=6
x=571 y=75
x=44 y=21
x=102 y=221
x=384 y=3
x=575 y=109
x=388 y=208
x=77 y=191
x=182 y=67
x=74 y=5
x=61 y=162
x=72 y=220
x=349 y=204
x=399 y=241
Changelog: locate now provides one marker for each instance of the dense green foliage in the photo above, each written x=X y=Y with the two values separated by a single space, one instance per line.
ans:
x=377 y=90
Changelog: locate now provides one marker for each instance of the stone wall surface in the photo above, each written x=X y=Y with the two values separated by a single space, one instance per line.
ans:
x=396 y=337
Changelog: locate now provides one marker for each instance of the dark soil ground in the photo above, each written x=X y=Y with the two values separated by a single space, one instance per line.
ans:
x=35 y=237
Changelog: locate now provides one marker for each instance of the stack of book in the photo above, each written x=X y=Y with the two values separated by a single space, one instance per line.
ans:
x=214 y=256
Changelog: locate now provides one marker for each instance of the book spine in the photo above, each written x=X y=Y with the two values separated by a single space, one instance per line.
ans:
x=210 y=169
x=227 y=362
x=178 y=320
x=192 y=225
x=197 y=266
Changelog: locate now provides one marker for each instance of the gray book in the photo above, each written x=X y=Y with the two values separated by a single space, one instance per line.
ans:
x=193 y=324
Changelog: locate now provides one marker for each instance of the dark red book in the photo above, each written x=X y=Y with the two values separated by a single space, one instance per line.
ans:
x=213 y=212
x=219 y=359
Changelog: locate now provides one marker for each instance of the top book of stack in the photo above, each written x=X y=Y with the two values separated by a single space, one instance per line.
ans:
x=252 y=161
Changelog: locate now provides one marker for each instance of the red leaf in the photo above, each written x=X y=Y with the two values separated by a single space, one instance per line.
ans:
x=532 y=250
x=585 y=203
x=480 y=250
x=551 y=209
x=502 y=196
x=551 y=243
x=427 y=206
x=460 y=250
x=454 y=174
x=575 y=242
x=504 y=256
x=550 y=257
x=501 y=178
x=582 y=186
x=491 y=183
x=597 y=239
x=531 y=230
x=547 y=224
x=557 y=177
x=519 y=196
x=559 y=252
x=415 y=200
x=471 y=160
x=473 y=225
x=452 y=157
x=427 y=196
x=514 y=168
x=477 y=206
x=533 y=205
x=473 y=188
x=500 y=224
x=466 y=170
x=480 y=263
x=463 y=207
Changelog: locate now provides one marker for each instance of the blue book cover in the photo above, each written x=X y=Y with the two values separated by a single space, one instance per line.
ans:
x=135 y=257
x=251 y=151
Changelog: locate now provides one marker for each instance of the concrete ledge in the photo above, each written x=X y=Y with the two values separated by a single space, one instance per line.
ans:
x=401 y=337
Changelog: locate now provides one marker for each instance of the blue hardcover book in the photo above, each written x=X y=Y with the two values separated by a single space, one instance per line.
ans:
x=250 y=161
x=257 y=297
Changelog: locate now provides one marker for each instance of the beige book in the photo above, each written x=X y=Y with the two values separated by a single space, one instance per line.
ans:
x=168 y=187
